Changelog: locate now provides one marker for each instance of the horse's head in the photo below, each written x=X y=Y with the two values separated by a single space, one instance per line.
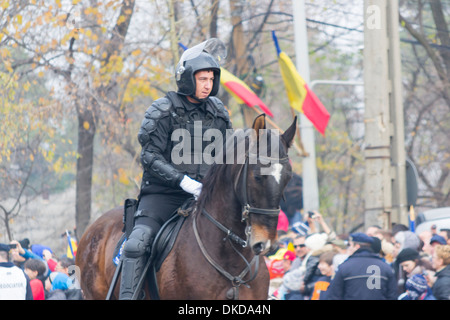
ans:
x=261 y=181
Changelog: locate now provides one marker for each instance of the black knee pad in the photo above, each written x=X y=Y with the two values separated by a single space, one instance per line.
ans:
x=139 y=242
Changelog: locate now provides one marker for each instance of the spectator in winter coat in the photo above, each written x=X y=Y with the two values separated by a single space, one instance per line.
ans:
x=409 y=262
x=363 y=276
x=315 y=242
x=412 y=263
x=441 y=263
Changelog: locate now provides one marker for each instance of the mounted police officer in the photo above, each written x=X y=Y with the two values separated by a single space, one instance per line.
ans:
x=166 y=183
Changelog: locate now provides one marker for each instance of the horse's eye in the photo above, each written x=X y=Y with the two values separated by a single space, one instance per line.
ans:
x=258 y=178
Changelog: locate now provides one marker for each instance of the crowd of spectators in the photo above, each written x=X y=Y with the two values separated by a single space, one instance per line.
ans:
x=33 y=272
x=376 y=264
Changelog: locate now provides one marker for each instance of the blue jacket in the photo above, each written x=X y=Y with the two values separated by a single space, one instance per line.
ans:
x=363 y=276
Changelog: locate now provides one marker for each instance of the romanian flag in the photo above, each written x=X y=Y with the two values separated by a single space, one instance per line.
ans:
x=301 y=98
x=241 y=92
x=72 y=246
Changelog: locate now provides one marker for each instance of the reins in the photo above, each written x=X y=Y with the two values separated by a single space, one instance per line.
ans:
x=236 y=281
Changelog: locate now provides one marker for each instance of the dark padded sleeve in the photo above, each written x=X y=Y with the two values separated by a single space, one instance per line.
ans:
x=154 y=139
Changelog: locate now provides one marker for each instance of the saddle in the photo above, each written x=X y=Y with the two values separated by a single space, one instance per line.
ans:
x=167 y=235
x=162 y=245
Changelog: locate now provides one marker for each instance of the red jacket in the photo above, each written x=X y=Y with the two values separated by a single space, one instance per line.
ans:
x=37 y=288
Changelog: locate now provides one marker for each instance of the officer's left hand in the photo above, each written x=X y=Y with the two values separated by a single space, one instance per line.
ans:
x=191 y=186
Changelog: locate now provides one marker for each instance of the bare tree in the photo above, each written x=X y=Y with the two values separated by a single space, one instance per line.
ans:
x=427 y=103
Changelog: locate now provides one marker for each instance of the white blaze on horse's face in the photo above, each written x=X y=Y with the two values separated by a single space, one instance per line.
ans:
x=276 y=171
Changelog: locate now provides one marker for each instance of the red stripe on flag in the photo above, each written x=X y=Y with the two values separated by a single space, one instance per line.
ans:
x=248 y=97
x=315 y=111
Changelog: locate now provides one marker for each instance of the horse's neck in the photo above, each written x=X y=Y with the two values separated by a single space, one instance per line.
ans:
x=226 y=209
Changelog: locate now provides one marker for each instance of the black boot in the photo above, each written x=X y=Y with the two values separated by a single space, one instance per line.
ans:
x=135 y=254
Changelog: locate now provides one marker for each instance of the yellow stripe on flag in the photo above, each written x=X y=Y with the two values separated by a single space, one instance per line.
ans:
x=294 y=83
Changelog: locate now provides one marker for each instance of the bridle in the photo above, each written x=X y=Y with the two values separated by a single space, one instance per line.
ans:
x=243 y=173
x=237 y=281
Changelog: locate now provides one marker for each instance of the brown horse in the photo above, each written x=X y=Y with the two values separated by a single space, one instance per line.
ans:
x=234 y=222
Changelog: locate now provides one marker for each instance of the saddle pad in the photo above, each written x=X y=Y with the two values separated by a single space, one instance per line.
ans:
x=161 y=246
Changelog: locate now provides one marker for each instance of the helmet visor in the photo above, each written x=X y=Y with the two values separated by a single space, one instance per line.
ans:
x=215 y=47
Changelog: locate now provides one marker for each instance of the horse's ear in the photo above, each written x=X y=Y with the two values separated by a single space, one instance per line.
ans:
x=259 y=123
x=288 y=135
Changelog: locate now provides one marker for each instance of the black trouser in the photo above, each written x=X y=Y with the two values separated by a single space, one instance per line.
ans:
x=157 y=208
x=153 y=211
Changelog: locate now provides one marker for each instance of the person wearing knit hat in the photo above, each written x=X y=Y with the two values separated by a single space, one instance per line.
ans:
x=409 y=263
x=407 y=254
x=405 y=239
x=57 y=280
x=417 y=289
x=289 y=255
x=316 y=241
x=412 y=263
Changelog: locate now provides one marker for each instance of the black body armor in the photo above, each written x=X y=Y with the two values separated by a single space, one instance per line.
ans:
x=162 y=118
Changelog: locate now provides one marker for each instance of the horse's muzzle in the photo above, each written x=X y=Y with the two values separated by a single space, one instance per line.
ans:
x=262 y=238
x=261 y=247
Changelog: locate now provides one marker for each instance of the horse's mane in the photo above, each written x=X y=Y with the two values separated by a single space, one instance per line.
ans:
x=215 y=173
x=221 y=171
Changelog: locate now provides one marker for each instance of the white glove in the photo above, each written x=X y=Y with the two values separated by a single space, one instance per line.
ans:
x=191 y=186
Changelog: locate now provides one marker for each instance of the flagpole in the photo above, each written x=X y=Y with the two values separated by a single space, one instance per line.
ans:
x=310 y=190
